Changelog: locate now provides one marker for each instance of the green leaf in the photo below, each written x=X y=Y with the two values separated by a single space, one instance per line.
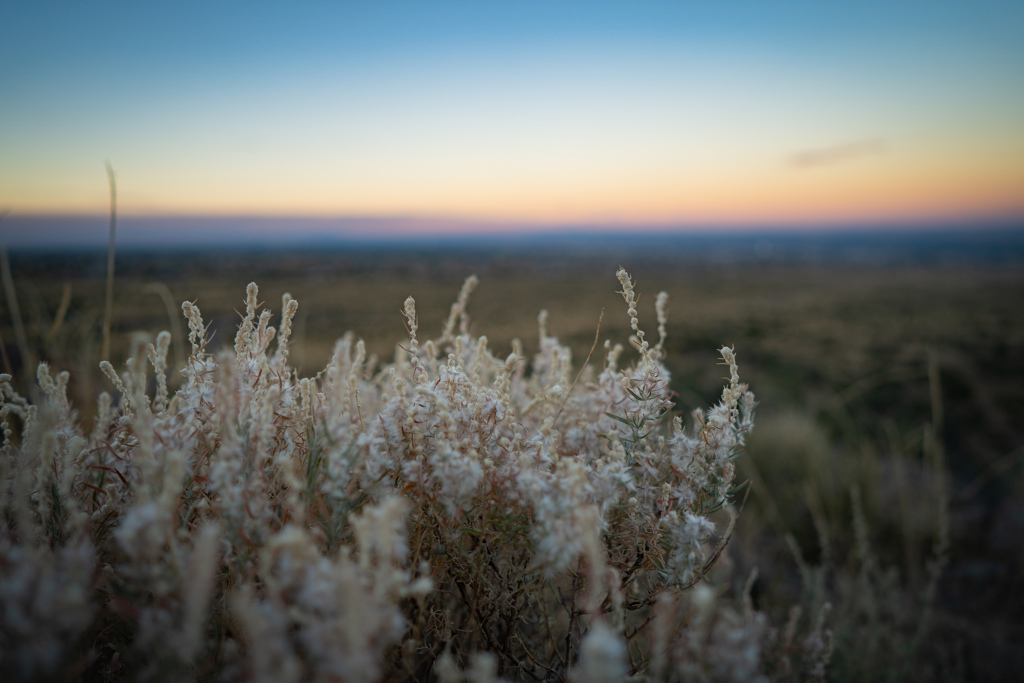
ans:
x=736 y=489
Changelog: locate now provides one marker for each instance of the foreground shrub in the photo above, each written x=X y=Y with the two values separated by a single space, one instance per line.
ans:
x=451 y=514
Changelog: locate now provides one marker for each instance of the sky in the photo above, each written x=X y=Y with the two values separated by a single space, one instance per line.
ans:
x=516 y=113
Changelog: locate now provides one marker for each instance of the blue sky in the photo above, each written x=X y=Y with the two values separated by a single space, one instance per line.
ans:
x=581 y=112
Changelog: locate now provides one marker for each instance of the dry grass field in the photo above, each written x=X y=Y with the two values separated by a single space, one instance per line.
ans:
x=890 y=403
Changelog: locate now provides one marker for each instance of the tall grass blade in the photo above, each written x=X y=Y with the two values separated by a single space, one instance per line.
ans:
x=109 y=310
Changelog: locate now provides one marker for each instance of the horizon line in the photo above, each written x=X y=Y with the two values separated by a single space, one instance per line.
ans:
x=85 y=230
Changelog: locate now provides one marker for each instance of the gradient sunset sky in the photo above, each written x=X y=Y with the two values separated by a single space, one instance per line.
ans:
x=554 y=113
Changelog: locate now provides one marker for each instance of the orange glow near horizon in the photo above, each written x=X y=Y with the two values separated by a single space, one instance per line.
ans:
x=862 y=190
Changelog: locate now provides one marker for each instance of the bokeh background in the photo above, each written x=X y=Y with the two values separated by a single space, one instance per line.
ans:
x=838 y=191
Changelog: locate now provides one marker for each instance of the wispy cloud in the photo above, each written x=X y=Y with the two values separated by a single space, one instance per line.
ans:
x=837 y=154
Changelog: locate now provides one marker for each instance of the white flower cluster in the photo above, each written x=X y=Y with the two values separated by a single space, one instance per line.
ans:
x=314 y=524
x=587 y=459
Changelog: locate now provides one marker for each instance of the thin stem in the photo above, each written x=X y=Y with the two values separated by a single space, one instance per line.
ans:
x=597 y=333
x=12 y=306
x=110 y=263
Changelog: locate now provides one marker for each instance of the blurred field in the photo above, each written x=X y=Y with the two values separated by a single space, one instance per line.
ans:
x=905 y=383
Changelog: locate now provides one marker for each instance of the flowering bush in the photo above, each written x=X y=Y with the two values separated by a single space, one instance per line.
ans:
x=453 y=514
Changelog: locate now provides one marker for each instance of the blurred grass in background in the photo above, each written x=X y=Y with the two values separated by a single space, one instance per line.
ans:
x=890 y=397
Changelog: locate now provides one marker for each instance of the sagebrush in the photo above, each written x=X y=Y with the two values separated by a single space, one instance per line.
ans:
x=454 y=514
